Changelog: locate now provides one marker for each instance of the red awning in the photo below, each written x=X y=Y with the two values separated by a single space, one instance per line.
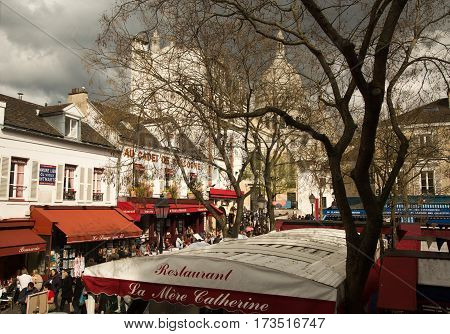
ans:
x=186 y=208
x=20 y=241
x=222 y=193
x=86 y=224
x=130 y=210
x=135 y=210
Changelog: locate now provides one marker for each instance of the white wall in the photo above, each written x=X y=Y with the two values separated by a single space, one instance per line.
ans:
x=49 y=151
x=306 y=187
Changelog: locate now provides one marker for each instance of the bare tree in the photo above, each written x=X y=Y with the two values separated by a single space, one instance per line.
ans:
x=358 y=53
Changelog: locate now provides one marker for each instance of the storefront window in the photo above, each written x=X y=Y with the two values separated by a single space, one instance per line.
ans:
x=16 y=180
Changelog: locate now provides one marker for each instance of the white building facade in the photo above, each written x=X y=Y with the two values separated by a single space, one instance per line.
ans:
x=49 y=156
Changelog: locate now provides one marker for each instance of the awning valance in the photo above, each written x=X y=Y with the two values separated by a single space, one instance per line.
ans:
x=88 y=224
x=222 y=194
x=20 y=241
x=135 y=210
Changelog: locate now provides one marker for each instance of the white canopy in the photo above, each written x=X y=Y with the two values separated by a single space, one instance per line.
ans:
x=306 y=264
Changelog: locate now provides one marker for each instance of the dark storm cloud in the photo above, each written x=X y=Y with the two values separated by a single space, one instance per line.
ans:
x=34 y=63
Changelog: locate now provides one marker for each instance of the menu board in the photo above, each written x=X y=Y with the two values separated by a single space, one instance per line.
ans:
x=47 y=175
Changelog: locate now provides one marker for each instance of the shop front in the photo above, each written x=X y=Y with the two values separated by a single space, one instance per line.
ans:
x=20 y=247
x=92 y=234
x=183 y=214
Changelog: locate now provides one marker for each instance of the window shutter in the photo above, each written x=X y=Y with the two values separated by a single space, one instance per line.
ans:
x=59 y=183
x=34 y=181
x=4 y=177
x=82 y=184
x=108 y=192
x=89 y=185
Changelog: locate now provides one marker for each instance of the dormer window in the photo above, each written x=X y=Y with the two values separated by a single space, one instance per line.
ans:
x=72 y=126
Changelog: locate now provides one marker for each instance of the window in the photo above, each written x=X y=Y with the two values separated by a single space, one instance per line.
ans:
x=427 y=182
x=168 y=174
x=292 y=197
x=425 y=140
x=323 y=203
x=69 y=182
x=98 y=195
x=16 y=179
x=72 y=127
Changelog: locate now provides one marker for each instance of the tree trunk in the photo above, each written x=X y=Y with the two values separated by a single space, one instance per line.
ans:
x=234 y=231
x=360 y=258
x=270 y=207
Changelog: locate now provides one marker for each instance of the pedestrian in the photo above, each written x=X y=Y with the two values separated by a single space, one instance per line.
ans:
x=37 y=280
x=24 y=279
x=77 y=293
x=114 y=255
x=55 y=281
x=17 y=286
x=66 y=290
x=50 y=297
x=23 y=296
x=179 y=242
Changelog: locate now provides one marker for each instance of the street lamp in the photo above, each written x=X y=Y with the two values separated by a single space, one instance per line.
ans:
x=261 y=205
x=231 y=216
x=162 y=211
x=312 y=200
x=261 y=202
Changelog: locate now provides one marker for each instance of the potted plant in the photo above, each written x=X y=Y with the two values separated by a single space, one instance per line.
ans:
x=173 y=191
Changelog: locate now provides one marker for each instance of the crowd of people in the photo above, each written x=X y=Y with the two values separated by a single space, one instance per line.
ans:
x=64 y=293
x=67 y=294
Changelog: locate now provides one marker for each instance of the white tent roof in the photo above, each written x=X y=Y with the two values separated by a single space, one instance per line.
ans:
x=317 y=254
x=306 y=263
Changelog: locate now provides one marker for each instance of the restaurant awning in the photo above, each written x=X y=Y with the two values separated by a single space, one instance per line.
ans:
x=20 y=241
x=215 y=193
x=135 y=210
x=82 y=224
x=238 y=275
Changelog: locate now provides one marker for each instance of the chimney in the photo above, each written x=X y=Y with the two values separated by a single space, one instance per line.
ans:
x=2 y=113
x=20 y=95
x=79 y=97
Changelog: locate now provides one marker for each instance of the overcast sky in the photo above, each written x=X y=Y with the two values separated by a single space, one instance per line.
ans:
x=35 y=64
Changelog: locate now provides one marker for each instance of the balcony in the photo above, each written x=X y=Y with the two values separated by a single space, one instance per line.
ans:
x=69 y=195
x=97 y=197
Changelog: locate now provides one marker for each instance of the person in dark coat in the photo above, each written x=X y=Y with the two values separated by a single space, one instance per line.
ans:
x=78 y=291
x=66 y=290
x=23 y=296
x=55 y=281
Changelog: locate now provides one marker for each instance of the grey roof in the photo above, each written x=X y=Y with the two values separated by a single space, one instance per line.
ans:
x=317 y=254
x=55 y=109
x=117 y=119
x=431 y=113
x=21 y=115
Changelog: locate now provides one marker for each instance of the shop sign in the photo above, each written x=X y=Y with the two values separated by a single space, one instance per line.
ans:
x=204 y=297
x=47 y=175
x=165 y=160
x=101 y=237
x=29 y=249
